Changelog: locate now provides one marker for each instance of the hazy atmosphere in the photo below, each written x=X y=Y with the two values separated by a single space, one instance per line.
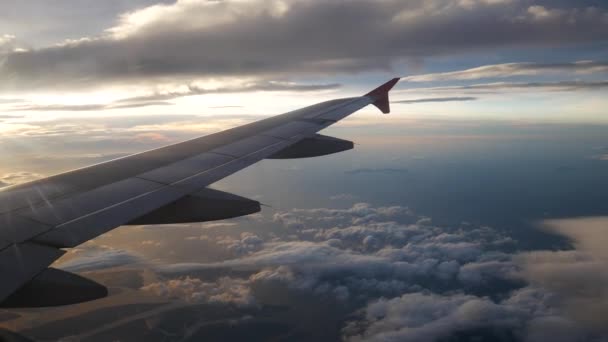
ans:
x=477 y=210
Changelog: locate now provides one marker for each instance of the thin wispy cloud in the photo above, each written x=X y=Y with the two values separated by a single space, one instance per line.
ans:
x=269 y=86
x=163 y=98
x=224 y=107
x=86 y=107
x=386 y=170
x=437 y=99
x=10 y=101
x=511 y=70
x=498 y=87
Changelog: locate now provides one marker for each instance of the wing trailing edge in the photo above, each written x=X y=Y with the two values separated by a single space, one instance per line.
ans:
x=55 y=287
x=205 y=205
x=315 y=146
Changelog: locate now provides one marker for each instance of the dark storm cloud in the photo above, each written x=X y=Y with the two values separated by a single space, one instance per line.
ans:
x=438 y=99
x=191 y=39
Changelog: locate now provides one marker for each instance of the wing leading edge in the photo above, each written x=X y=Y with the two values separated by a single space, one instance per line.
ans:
x=39 y=219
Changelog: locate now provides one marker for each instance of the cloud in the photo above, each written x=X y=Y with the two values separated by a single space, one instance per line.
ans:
x=7 y=44
x=223 y=291
x=601 y=157
x=186 y=40
x=364 y=252
x=163 y=98
x=6 y=100
x=343 y=197
x=408 y=279
x=429 y=317
x=525 y=315
x=85 y=107
x=247 y=244
x=44 y=23
x=438 y=99
x=98 y=258
x=577 y=277
x=223 y=107
x=216 y=225
x=512 y=69
x=4 y=118
x=151 y=243
x=397 y=276
x=498 y=87
x=192 y=90
x=387 y=171
x=19 y=177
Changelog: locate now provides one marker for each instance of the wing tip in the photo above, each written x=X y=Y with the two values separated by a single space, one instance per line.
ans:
x=380 y=95
x=384 y=88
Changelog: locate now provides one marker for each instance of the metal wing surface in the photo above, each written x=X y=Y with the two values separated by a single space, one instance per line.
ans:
x=38 y=220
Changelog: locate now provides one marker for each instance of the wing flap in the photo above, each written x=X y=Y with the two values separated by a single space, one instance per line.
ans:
x=315 y=146
x=205 y=205
x=53 y=287
x=17 y=229
x=19 y=263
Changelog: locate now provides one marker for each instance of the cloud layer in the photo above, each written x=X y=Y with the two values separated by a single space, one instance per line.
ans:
x=395 y=275
x=190 y=39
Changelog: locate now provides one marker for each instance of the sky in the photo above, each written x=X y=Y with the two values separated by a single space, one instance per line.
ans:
x=476 y=210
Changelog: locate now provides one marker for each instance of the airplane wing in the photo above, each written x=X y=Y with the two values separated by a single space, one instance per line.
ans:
x=38 y=220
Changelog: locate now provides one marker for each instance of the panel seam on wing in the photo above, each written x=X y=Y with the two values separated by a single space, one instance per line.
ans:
x=173 y=185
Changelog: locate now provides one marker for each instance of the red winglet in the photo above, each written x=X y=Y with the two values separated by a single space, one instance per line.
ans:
x=380 y=95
